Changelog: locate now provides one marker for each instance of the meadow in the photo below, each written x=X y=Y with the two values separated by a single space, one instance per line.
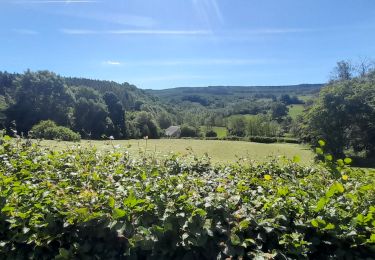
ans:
x=295 y=110
x=219 y=151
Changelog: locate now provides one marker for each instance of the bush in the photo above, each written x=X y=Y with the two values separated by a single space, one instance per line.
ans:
x=49 y=130
x=262 y=139
x=80 y=204
x=188 y=131
x=233 y=138
x=211 y=133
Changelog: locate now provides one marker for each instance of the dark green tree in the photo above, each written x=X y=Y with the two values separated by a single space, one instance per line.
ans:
x=39 y=96
x=344 y=116
x=91 y=116
x=116 y=113
x=278 y=111
x=146 y=125
x=164 y=120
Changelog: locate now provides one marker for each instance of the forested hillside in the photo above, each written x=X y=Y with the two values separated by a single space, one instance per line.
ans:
x=92 y=108
x=97 y=108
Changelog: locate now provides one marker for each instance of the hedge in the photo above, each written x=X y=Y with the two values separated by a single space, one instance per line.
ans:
x=81 y=204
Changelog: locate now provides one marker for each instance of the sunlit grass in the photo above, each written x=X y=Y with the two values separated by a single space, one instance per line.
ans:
x=219 y=151
x=295 y=110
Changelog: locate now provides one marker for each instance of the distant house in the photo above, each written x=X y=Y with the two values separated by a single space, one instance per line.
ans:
x=173 y=131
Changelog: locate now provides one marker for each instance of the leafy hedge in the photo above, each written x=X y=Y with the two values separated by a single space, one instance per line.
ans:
x=49 y=130
x=81 y=204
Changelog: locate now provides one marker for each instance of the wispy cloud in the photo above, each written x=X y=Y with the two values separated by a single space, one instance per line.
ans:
x=208 y=11
x=55 y=1
x=233 y=33
x=25 y=31
x=114 y=18
x=132 y=32
x=276 y=30
x=112 y=63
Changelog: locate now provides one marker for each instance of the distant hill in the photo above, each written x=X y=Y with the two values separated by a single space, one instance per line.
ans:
x=301 y=89
x=207 y=95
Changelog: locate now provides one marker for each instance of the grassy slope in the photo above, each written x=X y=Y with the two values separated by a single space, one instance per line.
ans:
x=219 y=151
x=220 y=131
x=295 y=110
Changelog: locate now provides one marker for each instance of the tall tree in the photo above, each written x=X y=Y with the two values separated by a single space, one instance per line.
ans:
x=344 y=116
x=278 y=111
x=39 y=96
x=91 y=116
x=343 y=71
x=116 y=113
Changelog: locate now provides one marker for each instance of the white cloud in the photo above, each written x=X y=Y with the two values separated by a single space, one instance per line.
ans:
x=276 y=30
x=223 y=34
x=113 y=63
x=132 y=32
x=114 y=18
x=78 y=31
x=208 y=11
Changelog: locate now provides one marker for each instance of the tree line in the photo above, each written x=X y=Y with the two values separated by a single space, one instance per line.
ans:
x=94 y=109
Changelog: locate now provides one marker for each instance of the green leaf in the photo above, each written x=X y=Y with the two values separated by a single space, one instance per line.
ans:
x=319 y=151
x=314 y=223
x=339 y=187
x=63 y=254
x=335 y=188
x=200 y=212
x=348 y=160
x=111 y=202
x=235 y=239
x=244 y=224
x=329 y=226
x=321 y=204
x=220 y=189
x=329 y=157
x=283 y=191
x=118 y=213
x=321 y=143
x=131 y=201
x=296 y=159
x=340 y=162
x=372 y=238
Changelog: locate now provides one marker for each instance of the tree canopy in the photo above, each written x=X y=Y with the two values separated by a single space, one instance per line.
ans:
x=344 y=115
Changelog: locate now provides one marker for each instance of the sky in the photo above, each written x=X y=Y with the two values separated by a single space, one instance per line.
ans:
x=157 y=44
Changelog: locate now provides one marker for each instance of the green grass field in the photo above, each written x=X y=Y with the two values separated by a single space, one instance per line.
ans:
x=295 y=110
x=219 y=151
x=220 y=131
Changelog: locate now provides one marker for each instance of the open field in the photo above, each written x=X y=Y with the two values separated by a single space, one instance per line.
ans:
x=219 y=151
x=295 y=110
x=219 y=130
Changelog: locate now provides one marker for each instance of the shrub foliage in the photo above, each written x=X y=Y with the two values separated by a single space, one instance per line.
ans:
x=49 y=130
x=80 y=204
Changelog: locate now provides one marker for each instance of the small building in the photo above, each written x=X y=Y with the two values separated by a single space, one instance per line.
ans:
x=173 y=131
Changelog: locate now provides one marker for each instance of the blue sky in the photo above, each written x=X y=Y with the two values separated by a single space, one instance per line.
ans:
x=173 y=43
